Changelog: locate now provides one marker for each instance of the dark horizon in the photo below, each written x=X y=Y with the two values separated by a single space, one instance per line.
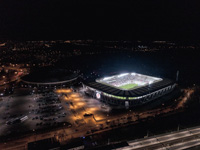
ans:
x=115 y=20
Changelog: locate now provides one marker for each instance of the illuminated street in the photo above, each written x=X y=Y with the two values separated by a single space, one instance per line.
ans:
x=17 y=73
x=170 y=141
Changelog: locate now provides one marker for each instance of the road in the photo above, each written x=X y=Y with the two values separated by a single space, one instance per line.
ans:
x=18 y=72
x=171 y=141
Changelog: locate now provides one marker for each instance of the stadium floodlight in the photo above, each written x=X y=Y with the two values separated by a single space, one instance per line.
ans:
x=133 y=73
x=124 y=74
x=157 y=78
x=107 y=78
x=150 y=82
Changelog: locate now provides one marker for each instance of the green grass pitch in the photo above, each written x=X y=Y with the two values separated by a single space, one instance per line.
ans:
x=128 y=86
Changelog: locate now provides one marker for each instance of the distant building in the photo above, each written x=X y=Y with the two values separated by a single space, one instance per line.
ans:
x=50 y=78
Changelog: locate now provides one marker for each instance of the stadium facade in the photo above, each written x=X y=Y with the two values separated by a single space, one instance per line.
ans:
x=128 y=89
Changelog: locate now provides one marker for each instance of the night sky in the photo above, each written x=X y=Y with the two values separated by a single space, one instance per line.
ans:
x=100 y=19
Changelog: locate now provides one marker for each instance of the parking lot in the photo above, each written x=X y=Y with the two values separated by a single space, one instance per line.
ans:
x=29 y=112
x=42 y=110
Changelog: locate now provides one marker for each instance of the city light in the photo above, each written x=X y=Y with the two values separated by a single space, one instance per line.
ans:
x=80 y=104
x=63 y=91
x=74 y=95
x=76 y=99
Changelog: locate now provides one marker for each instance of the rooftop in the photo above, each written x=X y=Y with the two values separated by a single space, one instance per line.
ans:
x=50 y=75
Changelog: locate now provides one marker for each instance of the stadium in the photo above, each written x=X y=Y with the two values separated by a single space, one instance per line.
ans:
x=128 y=89
x=50 y=77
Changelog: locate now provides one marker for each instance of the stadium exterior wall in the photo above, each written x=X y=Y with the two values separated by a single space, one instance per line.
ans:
x=127 y=101
x=50 y=84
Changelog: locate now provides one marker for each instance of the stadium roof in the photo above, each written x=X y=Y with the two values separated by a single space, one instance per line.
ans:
x=132 y=92
x=49 y=76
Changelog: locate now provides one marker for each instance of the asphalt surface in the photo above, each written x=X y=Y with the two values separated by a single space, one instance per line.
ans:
x=170 y=141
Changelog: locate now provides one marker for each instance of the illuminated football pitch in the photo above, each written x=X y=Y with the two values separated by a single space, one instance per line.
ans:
x=128 y=81
x=128 y=86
